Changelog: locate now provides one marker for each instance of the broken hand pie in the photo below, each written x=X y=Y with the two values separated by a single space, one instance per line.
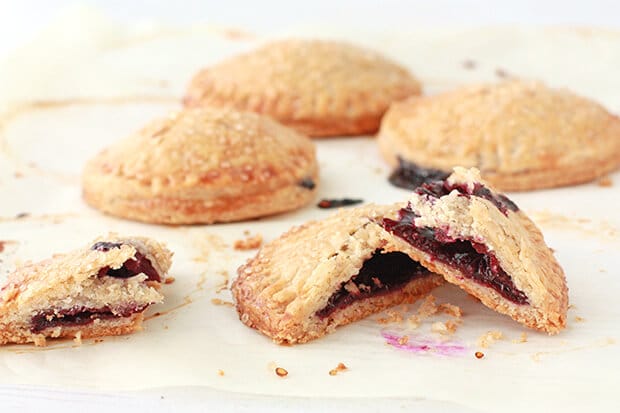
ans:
x=100 y=290
x=204 y=165
x=520 y=134
x=361 y=261
x=325 y=274
x=321 y=88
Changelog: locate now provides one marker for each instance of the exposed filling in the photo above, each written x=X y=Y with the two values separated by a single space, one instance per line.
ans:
x=307 y=183
x=472 y=259
x=133 y=266
x=408 y=175
x=78 y=316
x=337 y=203
x=438 y=189
x=380 y=274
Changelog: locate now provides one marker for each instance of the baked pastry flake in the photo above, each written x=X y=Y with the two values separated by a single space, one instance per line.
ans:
x=325 y=274
x=321 y=88
x=96 y=291
x=479 y=240
x=203 y=165
x=521 y=135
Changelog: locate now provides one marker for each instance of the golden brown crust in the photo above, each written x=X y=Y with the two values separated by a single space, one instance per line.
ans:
x=280 y=290
x=522 y=135
x=71 y=282
x=321 y=88
x=203 y=165
x=516 y=242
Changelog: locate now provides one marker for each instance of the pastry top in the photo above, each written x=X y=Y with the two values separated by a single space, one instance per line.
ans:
x=299 y=79
x=300 y=270
x=57 y=279
x=511 y=127
x=506 y=231
x=207 y=153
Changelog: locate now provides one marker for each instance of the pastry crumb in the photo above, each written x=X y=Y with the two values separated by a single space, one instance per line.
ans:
x=501 y=73
x=220 y=372
x=249 y=243
x=403 y=340
x=219 y=301
x=414 y=321
x=340 y=367
x=22 y=215
x=489 y=338
x=579 y=319
x=469 y=64
x=281 y=372
x=392 y=317
x=451 y=309
x=521 y=339
x=224 y=285
x=428 y=307
x=479 y=354
x=447 y=328
x=605 y=182
x=169 y=280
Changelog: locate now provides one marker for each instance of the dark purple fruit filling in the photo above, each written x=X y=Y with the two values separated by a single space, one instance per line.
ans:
x=408 y=175
x=380 y=274
x=133 y=266
x=307 y=183
x=471 y=258
x=337 y=203
x=438 y=189
x=77 y=316
x=105 y=246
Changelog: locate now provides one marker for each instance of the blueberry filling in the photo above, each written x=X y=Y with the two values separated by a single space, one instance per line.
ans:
x=78 y=316
x=408 y=175
x=472 y=259
x=307 y=183
x=438 y=189
x=105 y=246
x=133 y=266
x=337 y=203
x=380 y=274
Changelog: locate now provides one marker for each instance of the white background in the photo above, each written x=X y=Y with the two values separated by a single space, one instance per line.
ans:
x=21 y=20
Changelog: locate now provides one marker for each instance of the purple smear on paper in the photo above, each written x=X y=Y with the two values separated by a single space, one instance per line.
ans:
x=424 y=346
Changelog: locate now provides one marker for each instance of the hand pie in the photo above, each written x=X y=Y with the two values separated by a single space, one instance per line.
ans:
x=100 y=290
x=324 y=274
x=204 y=165
x=521 y=135
x=321 y=88
x=479 y=240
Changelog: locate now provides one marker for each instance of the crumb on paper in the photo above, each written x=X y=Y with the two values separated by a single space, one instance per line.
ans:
x=224 y=285
x=479 y=354
x=489 y=338
x=392 y=317
x=447 y=328
x=169 y=280
x=605 y=182
x=220 y=372
x=246 y=232
x=77 y=339
x=22 y=215
x=428 y=307
x=219 y=301
x=249 y=243
x=522 y=338
x=501 y=73
x=469 y=64
x=18 y=175
x=451 y=309
x=98 y=340
x=602 y=270
x=579 y=319
x=403 y=340
x=281 y=372
x=340 y=367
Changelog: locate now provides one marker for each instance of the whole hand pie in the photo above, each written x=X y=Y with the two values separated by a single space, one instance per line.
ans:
x=203 y=165
x=321 y=88
x=521 y=135
x=324 y=274
x=100 y=290
x=479 y=240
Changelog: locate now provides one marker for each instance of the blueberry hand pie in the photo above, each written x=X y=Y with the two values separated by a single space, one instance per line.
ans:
x=521 y=135
x=204 y=165
x=325 y=274
x=100 y=290
x=479 y=240
x=321 y=88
